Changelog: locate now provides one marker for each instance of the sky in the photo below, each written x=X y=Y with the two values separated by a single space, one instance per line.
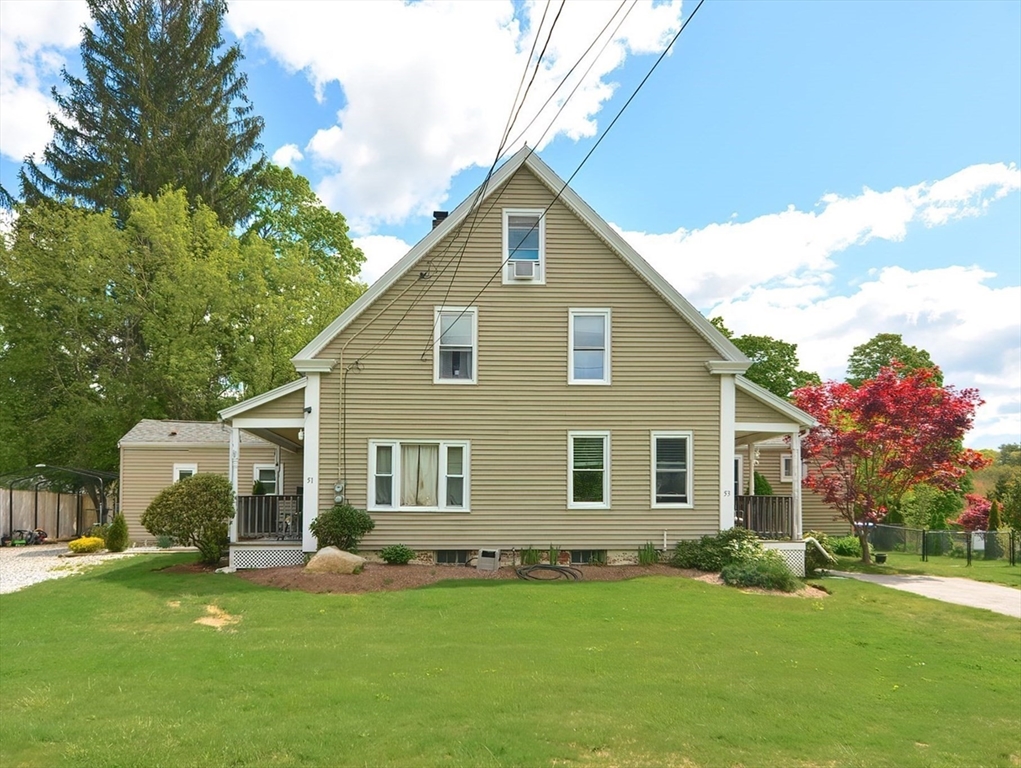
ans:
x=815 y=172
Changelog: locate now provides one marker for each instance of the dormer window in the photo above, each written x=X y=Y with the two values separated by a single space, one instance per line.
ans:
x=524 y=246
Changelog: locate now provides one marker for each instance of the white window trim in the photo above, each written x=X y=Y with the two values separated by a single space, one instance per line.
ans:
x=505 y=255
x=395 y=467
x=605 y=503
x=689 y=475
x=607 y=316
x=473 y=313
x=278 y=472
x=739 y=480
x=785 y=476
x=178 y=468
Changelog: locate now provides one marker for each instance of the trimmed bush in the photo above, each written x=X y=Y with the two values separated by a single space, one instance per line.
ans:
x=814 y=559
x=712 y=553
x=86 y=544
x=397 y=554
x=117 y=535
x=195 y=511
x=343 y=527
x=762 y=486
x=846 y=546
x=767 y=571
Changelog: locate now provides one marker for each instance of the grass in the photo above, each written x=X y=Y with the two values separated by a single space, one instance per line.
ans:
x=996 y=571
x=110 y=668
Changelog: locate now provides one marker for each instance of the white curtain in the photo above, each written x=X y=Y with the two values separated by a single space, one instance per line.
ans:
x=420 y=466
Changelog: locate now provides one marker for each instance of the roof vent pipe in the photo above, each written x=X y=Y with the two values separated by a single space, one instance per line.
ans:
x=438 y=217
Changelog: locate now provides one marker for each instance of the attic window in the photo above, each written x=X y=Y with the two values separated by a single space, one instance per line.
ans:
x=524 y=246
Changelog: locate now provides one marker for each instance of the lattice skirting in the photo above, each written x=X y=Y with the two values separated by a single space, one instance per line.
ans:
x=792 y=552
x=243 y=557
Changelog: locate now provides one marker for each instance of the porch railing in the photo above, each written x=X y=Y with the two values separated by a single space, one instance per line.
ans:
x=269 y=517
x=771 y=517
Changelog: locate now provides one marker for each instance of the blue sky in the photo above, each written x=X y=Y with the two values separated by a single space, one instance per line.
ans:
x=739 y=171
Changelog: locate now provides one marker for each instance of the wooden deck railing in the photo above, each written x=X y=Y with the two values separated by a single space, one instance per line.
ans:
x=771 y=517
x=269 y=517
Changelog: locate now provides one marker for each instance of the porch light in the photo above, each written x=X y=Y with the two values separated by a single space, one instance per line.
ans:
x=301 y=434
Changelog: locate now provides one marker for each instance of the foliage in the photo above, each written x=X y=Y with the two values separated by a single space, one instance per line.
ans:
x=925 y=506
x=553 y=554
x=767 y=571
x=712 y=553
x=86 y=544
x=397 y=554
x=993 y=571
x=99 y=530
x=342 y=526
x=171 y=316
x=774 y=362
x=162 y=104
x=976 y=515
x=846 y=546
x=814 y=559
x=648 y=554
x=530 y=556
x=881 y=351
x=875 y=442
x=117 y=535
x=761 y=485
x=1010 y=455
x=164 y=542
x=994 y=522
x=258 y=488
x=195 y=511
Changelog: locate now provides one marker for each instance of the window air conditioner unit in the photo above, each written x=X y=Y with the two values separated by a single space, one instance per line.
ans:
x=488 y=560
x=524 y=270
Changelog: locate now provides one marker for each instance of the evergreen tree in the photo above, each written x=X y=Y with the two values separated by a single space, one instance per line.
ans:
x=160 y=105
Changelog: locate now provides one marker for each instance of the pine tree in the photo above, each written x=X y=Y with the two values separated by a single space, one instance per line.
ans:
x=160 y=105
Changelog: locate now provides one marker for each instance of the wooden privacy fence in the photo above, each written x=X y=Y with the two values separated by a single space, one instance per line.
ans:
x=61 y=515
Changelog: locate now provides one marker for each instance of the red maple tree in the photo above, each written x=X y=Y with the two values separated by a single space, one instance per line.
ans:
x=876 y=441
x=975 y=516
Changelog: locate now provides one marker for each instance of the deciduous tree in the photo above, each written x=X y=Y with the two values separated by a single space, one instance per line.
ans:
x=775 y=363
x=882 y=350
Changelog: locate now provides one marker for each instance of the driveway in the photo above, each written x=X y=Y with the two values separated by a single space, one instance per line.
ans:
x=977 y=594
x=21 y=567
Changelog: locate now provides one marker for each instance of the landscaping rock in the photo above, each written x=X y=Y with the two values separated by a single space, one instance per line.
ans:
x=333 y=560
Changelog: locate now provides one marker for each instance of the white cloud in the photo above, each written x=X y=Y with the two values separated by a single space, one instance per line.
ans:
x=288 y=155
x=381 y=253
x=428 y=85
x=34 y=39
x=773 y=276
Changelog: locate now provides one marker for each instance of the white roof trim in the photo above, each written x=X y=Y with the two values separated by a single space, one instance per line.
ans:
x=573 y=201
x=265 y=397
x=766 y=397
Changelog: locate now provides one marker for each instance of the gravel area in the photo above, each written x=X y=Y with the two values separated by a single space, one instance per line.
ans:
x=22 y=567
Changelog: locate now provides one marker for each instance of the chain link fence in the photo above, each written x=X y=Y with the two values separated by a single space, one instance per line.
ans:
x=966 y=545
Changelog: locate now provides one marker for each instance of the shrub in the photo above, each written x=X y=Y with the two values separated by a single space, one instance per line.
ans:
x=194 y=511
x=397 y=554
x=343 y=527
x=767 y=571
x=846 y=546
x=99 y=530
x=164 y=542
x=712 y=553
x=86 y=544
x=814 y=559
x=762 y=486
x=648 y=554
x=117 y=535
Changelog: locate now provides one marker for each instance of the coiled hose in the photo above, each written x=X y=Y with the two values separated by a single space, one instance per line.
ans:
x=543 y=572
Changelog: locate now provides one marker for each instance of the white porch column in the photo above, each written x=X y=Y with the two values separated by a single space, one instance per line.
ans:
x=796 y=483
x=233 y=457
x=310 y=503
x=728 y=405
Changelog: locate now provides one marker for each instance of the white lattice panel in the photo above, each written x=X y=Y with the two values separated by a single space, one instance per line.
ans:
x=792 y=552
x=265 y=557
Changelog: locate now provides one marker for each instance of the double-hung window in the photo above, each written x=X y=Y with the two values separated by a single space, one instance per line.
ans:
x=418 y=475
x=786 y=468
x=671 y=469
x=266 y=474
x=588 y=346
x=588 y=470
x=455 y=345
x=524 y=246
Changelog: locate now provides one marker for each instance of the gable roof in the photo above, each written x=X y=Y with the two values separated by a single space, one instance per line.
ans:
x=305 y=359
x=150 y=431
x=266 y=397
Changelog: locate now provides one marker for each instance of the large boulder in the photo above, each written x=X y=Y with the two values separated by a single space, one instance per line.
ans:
x=333 y=560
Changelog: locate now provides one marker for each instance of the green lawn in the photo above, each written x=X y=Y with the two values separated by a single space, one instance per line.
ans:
x=109 y=669
x=998 y=571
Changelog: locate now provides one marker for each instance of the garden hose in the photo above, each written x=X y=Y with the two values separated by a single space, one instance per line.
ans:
x=537 y=572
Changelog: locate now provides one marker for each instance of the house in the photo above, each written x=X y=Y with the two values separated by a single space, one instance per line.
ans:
x=522 y=377
x=155 y=454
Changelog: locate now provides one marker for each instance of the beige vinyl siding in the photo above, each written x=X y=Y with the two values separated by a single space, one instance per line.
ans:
x=291 y=463
x=748 y=409
x=145 y=471
x=289 y=406
x=519 y=413
x=816 y=514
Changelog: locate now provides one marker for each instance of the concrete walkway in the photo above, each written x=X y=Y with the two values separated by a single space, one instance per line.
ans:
x=977 y=594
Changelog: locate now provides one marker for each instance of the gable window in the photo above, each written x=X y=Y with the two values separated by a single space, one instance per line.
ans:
x=671 y=469
x=267 y=475
x=524 y=246
x=589 y=346
x=455 y=345
x=418 y=476
x=588 y=476
x=182 y=471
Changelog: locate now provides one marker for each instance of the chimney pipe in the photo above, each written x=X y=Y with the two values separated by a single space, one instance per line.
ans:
x=438 y=217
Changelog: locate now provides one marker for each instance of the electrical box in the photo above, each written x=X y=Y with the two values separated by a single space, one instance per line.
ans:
x=488 y=560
